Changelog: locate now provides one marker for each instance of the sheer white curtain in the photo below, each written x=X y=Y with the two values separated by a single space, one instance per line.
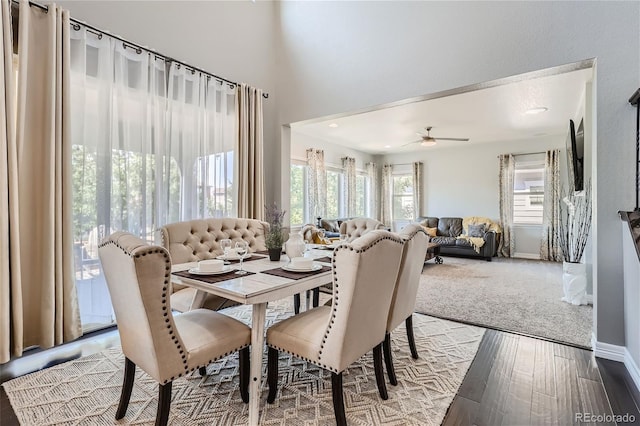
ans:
x=417 y=189
x=119 y=106
x=317 y=184
x=506 y=179
x=349 y=184
x=372 y=175
x=550 y=247
x=386 y=194
x=201 y=129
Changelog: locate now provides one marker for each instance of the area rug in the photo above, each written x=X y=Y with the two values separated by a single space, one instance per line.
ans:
x=508 y=294
x=86 y=391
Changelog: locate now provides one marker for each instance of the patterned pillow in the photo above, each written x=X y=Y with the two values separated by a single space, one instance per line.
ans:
x=432 y=232
x=477 y=230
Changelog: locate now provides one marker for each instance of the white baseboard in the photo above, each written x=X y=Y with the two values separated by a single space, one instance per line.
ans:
x=632 y=368
x=526 y=256
x=619 y=354
x=607 y=350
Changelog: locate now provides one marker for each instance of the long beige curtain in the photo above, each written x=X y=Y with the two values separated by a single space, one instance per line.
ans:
x=317 y=184
x=8 y=192
x=349 y=182
x=550 y=246
x=417 y=189
x=506 y=178
x=43 y=300
x=372 y=174
x=386 y=194
x=250 y=177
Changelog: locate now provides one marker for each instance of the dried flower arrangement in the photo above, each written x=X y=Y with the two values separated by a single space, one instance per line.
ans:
x=276 y=235
x=575 y=224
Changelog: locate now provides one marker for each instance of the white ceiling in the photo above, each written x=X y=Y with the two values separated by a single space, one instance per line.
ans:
x=488 y=115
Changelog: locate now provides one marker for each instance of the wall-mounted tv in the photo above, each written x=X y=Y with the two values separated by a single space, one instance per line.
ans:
x=575 y=156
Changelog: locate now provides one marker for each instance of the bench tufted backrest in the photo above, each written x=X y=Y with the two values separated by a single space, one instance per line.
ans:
x=355 y=228
x=199 y=239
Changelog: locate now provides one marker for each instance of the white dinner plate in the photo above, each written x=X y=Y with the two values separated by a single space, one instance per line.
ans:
x=316 y=267
x=196 y=271
x=233 y=257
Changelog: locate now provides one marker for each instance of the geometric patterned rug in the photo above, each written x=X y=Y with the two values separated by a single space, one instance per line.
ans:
x=86 y=391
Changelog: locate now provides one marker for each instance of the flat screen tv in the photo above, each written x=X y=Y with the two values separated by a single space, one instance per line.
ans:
x=575 y=156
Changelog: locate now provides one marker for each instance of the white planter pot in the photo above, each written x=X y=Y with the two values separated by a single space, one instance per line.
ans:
x=574 y=283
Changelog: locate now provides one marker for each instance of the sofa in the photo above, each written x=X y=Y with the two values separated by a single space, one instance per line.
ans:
x=199 y=239
x=451 y=234
x=332 y=226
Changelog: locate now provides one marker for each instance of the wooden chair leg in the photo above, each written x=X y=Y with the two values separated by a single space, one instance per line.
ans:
x=412 y=343
x=127 y=386
x=164 y=403
x=377 y=366
x=202 y=371
x=338 y=401
x=296 y=303
x=316 y=297
x=243 y=357
x=388 y=359
x=272 y=374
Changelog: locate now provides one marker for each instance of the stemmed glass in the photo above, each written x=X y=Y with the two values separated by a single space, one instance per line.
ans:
x=241 y=248
x=226 y=246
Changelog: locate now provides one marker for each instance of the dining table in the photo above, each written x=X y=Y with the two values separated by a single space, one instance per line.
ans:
x=266 y=281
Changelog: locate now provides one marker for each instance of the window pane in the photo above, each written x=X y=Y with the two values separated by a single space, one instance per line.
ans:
x=403 y=208
x=298 y=195
x=333 y=195
x=528 y=194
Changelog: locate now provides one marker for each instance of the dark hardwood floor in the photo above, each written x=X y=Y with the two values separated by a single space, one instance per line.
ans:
x=513 y=380
x=519 y=380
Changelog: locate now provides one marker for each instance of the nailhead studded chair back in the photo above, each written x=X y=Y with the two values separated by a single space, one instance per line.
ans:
x=355 y=228
x=199 y=239
x=165 y=347
x=406 y=289
x=333 y=337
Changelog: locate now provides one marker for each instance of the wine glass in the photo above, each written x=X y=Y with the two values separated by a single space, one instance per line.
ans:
x=241 y=248
x=226 y=246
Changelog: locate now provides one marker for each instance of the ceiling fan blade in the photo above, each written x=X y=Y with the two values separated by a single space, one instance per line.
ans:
x=410 y=143
x=453 y=139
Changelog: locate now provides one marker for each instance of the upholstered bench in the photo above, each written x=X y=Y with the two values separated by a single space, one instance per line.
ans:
x=199 y=239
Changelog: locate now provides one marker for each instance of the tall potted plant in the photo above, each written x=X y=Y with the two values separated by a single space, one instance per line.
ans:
x=575 y=225
x=276 y=235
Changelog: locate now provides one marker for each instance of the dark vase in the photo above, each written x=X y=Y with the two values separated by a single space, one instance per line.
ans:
x=274 y=254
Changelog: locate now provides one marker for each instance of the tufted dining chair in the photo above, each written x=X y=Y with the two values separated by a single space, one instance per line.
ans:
x=333 y=337
x=194 y=240
x=357 y=227
x=406 y=289
x=163 y=346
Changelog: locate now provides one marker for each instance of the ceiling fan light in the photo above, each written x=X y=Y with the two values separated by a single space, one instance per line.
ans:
x=428 y=143
x=536 y=110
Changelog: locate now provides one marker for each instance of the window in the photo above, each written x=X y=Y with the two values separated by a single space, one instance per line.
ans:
x=528 y=193
x=362 y=195
x=335 y=204
x=402 y=198
x=298 y=195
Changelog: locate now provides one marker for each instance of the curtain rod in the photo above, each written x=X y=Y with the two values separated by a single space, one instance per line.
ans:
x=527 y=153
x=75 y=24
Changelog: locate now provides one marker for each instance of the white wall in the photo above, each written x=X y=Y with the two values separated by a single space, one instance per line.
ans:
x=463 y=181
x=342 y=56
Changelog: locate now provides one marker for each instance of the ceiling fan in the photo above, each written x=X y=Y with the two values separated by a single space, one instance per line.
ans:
x=428 y=140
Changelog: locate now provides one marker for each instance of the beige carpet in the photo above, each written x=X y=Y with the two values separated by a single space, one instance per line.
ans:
x=508 y=294
x=86 y=391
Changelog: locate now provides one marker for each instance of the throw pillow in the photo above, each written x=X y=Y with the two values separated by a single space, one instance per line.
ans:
x=432 y=232
x=477 y=230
